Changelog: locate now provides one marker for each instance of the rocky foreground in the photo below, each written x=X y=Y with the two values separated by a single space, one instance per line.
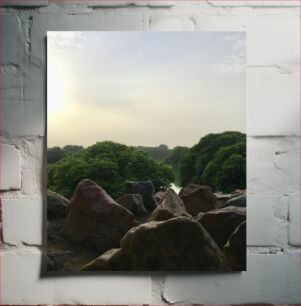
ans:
x=196 y=230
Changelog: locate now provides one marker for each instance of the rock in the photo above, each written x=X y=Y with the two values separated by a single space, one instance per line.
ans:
x=239 y=201
x=197 y=199
x=223 y=197
x=159 y=195
x=199 y=216
x=238 y=192
x=57 y=205
x=221 y=223
x=170 y=206
x=95 y=219
x=133 y=203
x=146 y=189
x=191 y=188
x=178 y=244
x=236 y=248
x=51 y=264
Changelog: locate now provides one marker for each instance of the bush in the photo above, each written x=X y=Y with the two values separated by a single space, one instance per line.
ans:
x=218 y=160
x=109 y=164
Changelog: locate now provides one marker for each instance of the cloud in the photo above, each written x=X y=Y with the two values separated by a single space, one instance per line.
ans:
x=232 y=66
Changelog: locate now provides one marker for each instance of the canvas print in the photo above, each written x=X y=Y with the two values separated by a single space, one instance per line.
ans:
x=146 y=151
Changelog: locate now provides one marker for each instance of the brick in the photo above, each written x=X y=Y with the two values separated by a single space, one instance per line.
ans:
x=268 y=33
x=23 y=102
x=11 y=83
x=108 y=4
x=115 y=4
x=24 y=3
x=160 y=3
x=92 y=22
x=33 y=167
x=23 y=221
x=269 y=279
x=10 y=167
x=166 y=23
x=12 y=44
x=260 y=220
x=277 y=36
x=294 y=220
x=22 y=284
x=275 y=91
x=273 y=165
x=250 y=3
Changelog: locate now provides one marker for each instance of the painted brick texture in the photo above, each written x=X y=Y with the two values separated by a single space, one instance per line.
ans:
x=273 y=128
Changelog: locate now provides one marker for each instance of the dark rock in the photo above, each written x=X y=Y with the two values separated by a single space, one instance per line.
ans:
x=239 y=201
x=197 y=199
x=146 y=189
x=221 y=223
x=57 y=205
x=236 y=248
x=133 y=203
x=223 y=197
x=170 y=206
x=95 y=219
x=199 y=216
x=191 y=188
x=178 y=244
x=51 y=264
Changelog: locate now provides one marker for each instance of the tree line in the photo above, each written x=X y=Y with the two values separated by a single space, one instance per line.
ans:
x=217 y=160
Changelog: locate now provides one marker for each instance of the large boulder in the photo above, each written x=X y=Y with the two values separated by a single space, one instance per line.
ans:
x=146 y=190
x=95 y=219
x=236 y=248
x=197 y=199
x=239 y=201
x=57 y=205
x=159 y=195
x=133 y=203
x=170 y=206
x=191 y=188
x=178 y=244
x=221 y=223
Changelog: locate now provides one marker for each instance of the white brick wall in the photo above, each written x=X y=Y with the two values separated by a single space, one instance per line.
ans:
x=273 y=117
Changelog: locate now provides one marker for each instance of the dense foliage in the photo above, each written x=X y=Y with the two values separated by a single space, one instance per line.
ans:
x=158 y=153
x=55 y=154
x=218 y=160
x=109 y=164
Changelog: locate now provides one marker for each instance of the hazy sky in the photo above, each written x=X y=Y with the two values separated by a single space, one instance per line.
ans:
x=144 y=88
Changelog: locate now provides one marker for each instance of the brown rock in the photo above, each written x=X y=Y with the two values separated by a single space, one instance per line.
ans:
x=57 y=205
x=191 y=188
x=159 y=195
x=236 y=248
x=95 y=219
x=197 y=199
x=170 y=206
x=239 y=201
x=133 y=203
x=147 y=191
x=178 y=244
x=221 y=223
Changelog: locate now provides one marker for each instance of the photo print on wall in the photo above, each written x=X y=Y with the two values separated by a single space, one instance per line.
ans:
x=146 y=151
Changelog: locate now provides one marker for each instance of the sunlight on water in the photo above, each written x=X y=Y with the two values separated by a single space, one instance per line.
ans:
x=175 y=188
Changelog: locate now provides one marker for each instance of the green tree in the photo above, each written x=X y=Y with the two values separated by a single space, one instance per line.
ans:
x=109 y=164
x=227 y=171
x=55 y=154
x=72 y=149
x=174 y=156
x=204 y=162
